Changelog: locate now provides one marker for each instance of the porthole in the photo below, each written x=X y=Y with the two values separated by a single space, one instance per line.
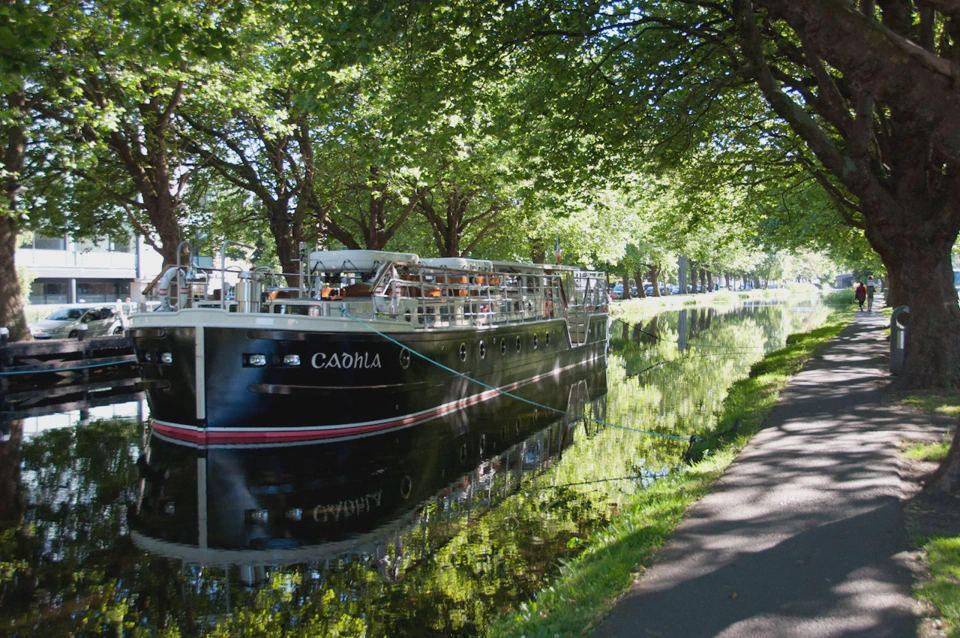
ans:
x=536 y=343
x=546 y=339
x=519 y=343
x=406 y=486
x=463 y=452
x=404 y=358
x=503 y=347
x=483 y=349
x=463 y=352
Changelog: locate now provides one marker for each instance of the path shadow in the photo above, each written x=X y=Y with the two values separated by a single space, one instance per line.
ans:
x=829 y=581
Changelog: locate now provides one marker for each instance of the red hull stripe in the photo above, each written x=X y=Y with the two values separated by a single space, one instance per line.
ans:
x=290 y=435
x=251 y=436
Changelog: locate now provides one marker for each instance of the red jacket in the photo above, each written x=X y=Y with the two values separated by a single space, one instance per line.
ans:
x=861 y=292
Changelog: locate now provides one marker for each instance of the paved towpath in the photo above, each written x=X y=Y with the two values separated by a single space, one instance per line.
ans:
x=803 y=536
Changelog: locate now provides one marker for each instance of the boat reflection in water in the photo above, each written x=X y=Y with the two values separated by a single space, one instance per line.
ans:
x=257 y=507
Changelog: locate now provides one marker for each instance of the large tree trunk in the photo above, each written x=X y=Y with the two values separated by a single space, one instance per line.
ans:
x=162 y=211
x=894 y=292
x=638 y=277
x=287 y=238
x=15 y=142
x=538 y=250
x=626 y=286
x=655 y=279
x=11 y=304
x=932 y=351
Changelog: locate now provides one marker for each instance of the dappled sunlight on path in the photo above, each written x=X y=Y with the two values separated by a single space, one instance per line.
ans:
x=804 y=534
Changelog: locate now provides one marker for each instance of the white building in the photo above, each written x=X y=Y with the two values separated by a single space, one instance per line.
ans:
x=69 y=271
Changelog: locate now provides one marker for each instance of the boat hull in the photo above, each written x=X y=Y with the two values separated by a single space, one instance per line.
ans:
x=204 y=383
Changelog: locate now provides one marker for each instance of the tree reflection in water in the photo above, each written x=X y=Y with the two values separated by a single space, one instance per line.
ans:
x=300 y=541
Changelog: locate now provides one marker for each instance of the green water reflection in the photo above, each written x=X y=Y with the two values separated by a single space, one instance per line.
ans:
x=92 y=544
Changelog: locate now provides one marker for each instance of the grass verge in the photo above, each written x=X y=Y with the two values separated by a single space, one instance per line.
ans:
x=948 y=405
x=935 y=452
x=841 y=298
x=942 y=587
x=939 y=588
x=616 y=556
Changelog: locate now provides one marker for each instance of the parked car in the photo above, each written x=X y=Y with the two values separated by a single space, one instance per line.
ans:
x=66 y=321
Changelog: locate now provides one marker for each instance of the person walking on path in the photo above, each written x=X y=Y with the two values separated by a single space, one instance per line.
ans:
x=860 y=294
x=803 y=536
x=871 y=290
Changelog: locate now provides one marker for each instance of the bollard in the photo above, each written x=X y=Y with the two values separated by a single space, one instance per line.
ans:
x=82 y=331
x=4 y=335
x=898 y=327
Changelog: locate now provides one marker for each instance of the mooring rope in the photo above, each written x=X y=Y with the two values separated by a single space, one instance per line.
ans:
x=676 y=437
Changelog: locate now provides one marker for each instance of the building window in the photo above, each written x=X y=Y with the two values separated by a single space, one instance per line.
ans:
x=90 y=246
x=57 y=291
x=102 y=291
x=121 y=244
x=48 y=292
x=91 y=291
x=50 y=243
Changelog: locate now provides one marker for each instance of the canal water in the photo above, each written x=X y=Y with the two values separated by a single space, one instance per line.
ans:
x=432 y=531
